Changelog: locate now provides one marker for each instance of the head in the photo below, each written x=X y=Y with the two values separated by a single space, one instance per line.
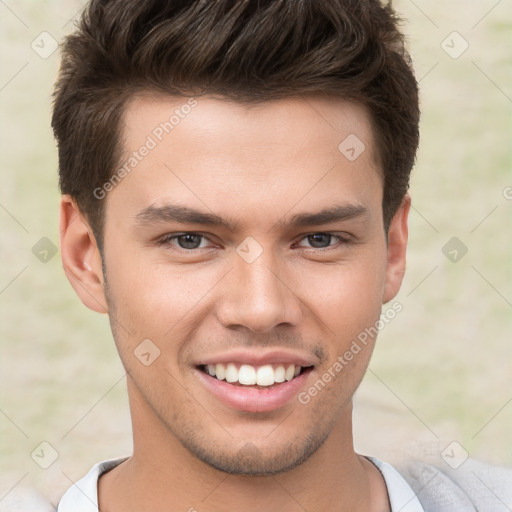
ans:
x=280 y=136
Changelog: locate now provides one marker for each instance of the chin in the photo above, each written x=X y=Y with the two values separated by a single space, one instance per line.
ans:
x=251 y=460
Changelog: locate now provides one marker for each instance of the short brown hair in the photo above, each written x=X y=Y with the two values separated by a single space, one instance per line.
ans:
x=244 y=50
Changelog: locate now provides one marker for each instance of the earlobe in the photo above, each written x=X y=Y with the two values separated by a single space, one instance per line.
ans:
x=396 y=250
x=81 y=258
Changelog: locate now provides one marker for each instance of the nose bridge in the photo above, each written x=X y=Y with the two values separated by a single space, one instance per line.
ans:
x=257 y=296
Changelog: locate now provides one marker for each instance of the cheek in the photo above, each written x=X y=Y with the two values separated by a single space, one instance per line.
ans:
x=155 y=297
x=348 y=306
x=161 y=303
x=348 y=298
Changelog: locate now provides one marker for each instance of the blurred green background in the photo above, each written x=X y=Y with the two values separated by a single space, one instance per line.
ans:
x=442 y=369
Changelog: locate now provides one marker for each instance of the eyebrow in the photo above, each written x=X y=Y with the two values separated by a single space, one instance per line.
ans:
x=184 y=215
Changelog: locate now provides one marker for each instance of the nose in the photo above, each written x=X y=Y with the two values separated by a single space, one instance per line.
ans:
x=257 y=297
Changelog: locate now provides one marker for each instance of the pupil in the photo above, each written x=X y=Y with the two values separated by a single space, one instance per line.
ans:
x=320 y=240
x=189 y=241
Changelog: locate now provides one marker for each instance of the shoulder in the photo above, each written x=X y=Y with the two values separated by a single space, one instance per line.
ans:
x=82 y=496
x=25 y=499
x=471 y=486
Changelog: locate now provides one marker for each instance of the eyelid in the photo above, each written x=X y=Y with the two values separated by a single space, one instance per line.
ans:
x=169 y=237
x=343 y=239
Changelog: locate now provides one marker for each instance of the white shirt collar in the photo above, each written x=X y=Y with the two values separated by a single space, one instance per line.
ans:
x=83 y=495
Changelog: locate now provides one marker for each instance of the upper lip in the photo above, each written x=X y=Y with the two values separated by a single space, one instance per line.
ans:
x=259 y=358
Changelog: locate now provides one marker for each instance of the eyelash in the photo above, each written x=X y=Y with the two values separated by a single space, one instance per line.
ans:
x=167 y=239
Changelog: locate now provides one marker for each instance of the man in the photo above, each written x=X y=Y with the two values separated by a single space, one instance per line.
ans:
x=234 y=179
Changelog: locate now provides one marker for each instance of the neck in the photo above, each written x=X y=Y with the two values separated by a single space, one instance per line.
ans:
x=163 y=472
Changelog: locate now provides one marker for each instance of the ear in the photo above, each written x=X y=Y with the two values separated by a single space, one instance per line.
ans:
x=81 y=258
x=396 y=251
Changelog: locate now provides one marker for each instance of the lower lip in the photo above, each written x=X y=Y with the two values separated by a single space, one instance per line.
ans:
x=251 y=399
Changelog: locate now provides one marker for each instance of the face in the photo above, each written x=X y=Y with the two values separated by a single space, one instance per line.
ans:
x=244 y=253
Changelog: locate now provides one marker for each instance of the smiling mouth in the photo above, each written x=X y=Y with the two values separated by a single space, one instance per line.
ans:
x=246 y=375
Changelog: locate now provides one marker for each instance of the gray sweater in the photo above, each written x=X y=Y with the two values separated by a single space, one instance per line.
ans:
x=474 y=486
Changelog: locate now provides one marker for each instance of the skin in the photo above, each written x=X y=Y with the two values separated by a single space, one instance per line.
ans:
x=257 y=166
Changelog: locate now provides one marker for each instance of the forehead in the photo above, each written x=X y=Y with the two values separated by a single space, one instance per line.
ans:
x=291 y=121
x=225 y=156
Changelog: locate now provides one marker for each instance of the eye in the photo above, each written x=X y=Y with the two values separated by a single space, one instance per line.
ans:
x=185 y=241
x=322 y=240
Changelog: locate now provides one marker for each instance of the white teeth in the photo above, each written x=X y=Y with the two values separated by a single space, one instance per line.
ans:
x=279 y=374
x=220 y=371
x=248 y=375
x=290 y=372
x=265 y=375
x=231 y=373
